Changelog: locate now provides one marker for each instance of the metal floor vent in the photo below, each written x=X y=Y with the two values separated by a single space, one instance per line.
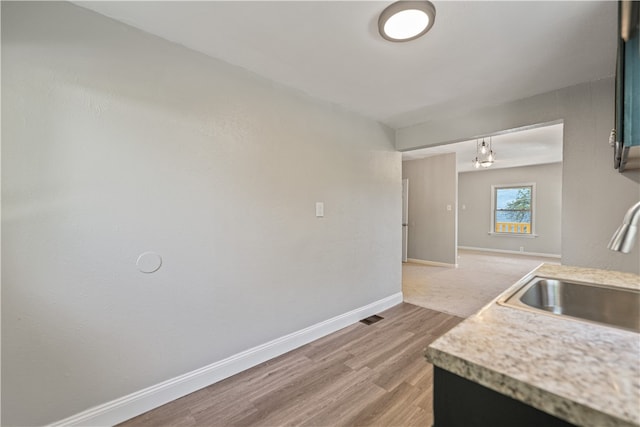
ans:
x=371 y=319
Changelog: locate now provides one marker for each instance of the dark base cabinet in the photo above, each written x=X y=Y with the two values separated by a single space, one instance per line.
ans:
x=458 y=402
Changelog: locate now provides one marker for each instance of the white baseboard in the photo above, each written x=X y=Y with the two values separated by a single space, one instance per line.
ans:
x=126 y=407
x=432 y=263
x=504 y=251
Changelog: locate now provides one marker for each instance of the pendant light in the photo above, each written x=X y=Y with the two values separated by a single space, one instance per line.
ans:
x=484 y=154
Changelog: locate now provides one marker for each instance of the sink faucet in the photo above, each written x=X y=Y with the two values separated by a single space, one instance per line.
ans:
x=625 y=237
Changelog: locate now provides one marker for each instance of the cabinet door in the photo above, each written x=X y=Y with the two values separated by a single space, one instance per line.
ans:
x=458 y=402
x=628 y=74
x=631 y=132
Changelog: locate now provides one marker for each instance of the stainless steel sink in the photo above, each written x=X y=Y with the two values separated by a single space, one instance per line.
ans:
x=610 y=306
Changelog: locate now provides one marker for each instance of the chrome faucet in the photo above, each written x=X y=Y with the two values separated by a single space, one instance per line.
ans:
x=625 y=237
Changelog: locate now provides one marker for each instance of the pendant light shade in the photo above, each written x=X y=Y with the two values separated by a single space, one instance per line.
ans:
x=484 y=154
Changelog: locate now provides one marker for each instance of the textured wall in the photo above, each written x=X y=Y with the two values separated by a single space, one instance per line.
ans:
x=474 y=221
x=116 y=142
x=595 y=197
x=432 y=227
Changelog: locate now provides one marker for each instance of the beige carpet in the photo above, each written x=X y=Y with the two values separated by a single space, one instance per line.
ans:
x=462 y=291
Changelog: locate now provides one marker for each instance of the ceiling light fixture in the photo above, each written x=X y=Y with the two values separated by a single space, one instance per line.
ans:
x=406 y=20
x=484 y=154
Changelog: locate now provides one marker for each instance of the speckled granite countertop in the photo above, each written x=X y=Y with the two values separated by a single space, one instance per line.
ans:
x=584 y=373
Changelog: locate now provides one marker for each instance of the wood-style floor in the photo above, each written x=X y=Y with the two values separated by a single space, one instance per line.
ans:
x=362 y=375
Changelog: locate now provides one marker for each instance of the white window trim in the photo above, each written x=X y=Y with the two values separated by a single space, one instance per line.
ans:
x=534 y=205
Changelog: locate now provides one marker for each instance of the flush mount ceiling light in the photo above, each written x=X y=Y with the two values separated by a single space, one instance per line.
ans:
x=484 y=154
x=406 y=20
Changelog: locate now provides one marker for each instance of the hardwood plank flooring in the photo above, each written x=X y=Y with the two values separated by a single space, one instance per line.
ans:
x=373 y=375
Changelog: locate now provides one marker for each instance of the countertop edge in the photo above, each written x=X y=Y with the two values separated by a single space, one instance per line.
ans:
x=529 y=394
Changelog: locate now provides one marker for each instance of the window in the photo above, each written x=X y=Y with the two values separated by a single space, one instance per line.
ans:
x=513 y=209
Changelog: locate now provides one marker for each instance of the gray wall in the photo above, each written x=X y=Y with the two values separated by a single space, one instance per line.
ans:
x=116 y=142
x=594 y=197
x=474 y=221
x=432 y=228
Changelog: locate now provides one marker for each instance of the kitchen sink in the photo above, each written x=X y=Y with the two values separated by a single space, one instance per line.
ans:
x=612 y=306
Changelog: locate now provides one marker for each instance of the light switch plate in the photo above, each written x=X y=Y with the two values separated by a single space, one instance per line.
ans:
x=319 y=209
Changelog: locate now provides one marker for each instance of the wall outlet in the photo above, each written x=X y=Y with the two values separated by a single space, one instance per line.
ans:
x=521 y=248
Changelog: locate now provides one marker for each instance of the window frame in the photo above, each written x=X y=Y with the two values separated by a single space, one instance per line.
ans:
x=494 y=189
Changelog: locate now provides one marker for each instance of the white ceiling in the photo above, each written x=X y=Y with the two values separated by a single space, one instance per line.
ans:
x=477 y=53
x=521 y=148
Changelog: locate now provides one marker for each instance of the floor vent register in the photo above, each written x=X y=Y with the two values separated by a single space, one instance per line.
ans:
x=371 y=319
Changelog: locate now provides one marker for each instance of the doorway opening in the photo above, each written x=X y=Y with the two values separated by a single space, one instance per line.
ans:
x=508 y=210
